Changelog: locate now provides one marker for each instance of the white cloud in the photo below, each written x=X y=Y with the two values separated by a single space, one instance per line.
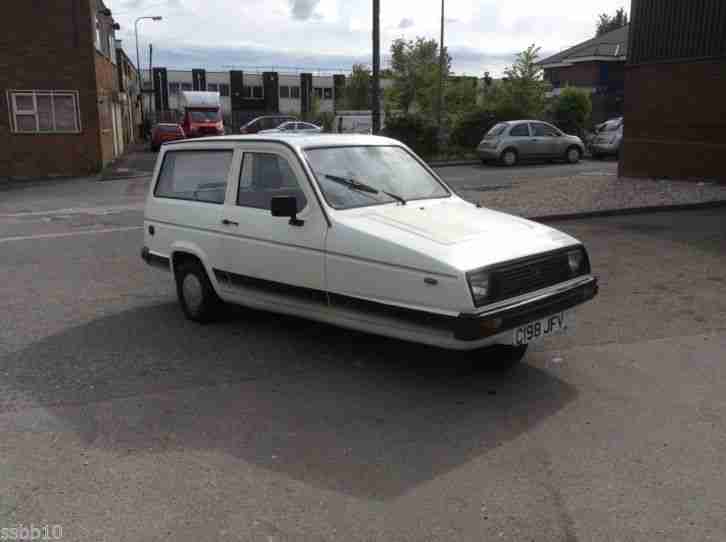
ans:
x=480 y=34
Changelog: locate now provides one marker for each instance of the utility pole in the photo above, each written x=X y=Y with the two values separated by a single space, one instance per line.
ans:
x=151 y=74
x=376 y=79
x=138 y=66
x=440 y=108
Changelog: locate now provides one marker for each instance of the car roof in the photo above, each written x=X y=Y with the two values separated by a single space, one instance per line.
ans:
x=298 y=141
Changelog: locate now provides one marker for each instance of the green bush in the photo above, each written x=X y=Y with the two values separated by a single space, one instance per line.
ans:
x=571 y=110
x=415 y=131
x=469 y=129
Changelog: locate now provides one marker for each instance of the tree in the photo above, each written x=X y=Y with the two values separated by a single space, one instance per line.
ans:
x=460 y=95
x=358 y=88
x=606 y=23
x=572 y=109
x=415 y=70
x=523 y=92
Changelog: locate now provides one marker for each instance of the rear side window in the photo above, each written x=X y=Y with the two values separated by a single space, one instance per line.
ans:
x=520 y=130
x=194 y=175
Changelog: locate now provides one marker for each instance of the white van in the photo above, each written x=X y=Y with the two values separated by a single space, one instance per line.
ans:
x=355 y=122
x=356 y=231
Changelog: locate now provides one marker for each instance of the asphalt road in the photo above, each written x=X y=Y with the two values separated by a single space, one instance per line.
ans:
x=120 y=420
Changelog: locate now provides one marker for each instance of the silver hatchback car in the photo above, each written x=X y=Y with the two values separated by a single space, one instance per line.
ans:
x=509 y=142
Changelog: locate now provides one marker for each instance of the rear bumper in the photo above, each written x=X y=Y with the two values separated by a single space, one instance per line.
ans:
x=155 y=260
x=488 y=324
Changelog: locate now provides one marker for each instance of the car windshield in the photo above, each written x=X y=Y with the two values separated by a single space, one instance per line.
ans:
x=496 y=130
x=611 y=126
x=204 y=116
x=371 y=175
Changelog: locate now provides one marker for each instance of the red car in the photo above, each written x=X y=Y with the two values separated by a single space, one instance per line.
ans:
x=165 y=132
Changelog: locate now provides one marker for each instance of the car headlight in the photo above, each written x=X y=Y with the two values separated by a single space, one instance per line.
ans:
x=576 y=261
x=479 y=286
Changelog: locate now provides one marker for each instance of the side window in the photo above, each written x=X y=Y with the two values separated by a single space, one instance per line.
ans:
x=194 y=175
x=538 y=129
x=520 y=130
x=264 y=176
x=548 y=131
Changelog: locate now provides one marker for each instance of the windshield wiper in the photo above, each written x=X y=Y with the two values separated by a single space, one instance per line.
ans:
x=362 y=187
x=352 y=183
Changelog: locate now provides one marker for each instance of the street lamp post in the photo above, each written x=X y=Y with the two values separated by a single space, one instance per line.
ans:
x=138 y=63
x=440 y=107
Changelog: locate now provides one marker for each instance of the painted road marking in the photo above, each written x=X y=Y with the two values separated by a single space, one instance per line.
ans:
x=66 y=234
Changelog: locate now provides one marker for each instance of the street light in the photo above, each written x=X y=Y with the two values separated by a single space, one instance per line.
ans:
x=138 y=62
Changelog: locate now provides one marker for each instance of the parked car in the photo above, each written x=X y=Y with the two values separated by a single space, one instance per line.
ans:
x=608 y=139
x=164 y=132
x=510 y=142
x=267 y=122
x=356 y=231
x=294 y=127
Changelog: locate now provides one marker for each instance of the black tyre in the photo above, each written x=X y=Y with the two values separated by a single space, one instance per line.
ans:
x=197 y=297
x=502 y=357
x=509 y=157
x=573 y=155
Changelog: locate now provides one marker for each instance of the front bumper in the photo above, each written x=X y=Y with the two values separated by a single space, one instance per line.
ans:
x=476 y=327
x=604 y=148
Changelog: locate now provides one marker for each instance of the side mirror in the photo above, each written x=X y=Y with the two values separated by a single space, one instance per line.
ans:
x=286 y=206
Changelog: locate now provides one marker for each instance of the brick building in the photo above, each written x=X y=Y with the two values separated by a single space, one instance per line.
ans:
x=60 y=112
x=675 y=115
x=596 y=65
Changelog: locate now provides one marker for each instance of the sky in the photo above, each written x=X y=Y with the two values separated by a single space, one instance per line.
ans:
x=481 y=35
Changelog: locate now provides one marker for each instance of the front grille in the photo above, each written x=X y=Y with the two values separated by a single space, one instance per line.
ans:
x=528 y=275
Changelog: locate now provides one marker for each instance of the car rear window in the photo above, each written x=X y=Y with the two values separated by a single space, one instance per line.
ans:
x=496 y=130
x=194 y=175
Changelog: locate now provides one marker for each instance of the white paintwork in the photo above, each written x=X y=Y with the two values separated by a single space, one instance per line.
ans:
x=379 y=253
x=200 y=98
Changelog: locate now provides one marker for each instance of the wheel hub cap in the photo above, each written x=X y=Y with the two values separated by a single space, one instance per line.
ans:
x=192 y=290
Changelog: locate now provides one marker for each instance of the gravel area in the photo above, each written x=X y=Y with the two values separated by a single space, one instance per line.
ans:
x=587 y=193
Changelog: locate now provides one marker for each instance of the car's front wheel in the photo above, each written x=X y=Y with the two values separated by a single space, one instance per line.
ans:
x=573 y=155
x=197 y=297
x=502 y=356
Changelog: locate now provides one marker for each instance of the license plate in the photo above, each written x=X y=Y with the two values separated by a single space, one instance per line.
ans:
x=540 y=329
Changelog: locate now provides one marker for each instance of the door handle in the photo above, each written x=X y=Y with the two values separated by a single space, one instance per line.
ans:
x=227 y=222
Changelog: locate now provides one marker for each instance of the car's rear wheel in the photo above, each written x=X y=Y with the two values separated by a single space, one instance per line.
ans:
x=573 y=155
x=502 y=356
x=196 y=294
x=509 y=157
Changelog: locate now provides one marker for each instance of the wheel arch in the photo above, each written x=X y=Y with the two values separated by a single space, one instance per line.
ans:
x=183 y=251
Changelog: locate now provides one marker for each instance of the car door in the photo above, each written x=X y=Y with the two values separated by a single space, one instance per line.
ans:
x=520 y=139
x=546 y=140
x=269 y=258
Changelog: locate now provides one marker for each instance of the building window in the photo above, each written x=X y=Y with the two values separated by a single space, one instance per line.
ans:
x=257 y=92
x=173 y=88
x=318 y=92
x=328 y=93
x=44 y=111
x=247 y=92
x=186 y=86
x=212 y=87
x=223 y=89
x=295 y=93
x=284 y=92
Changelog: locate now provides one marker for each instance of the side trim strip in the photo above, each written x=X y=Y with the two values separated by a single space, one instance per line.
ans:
x=310 y=249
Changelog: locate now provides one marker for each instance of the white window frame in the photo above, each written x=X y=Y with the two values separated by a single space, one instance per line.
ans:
x=14 y=110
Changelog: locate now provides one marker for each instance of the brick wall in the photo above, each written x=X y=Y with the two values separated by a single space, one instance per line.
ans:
x=49 y=46
x=675 y=120
x=107 y=88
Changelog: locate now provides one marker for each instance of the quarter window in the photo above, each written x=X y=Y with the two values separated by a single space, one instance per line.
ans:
x=45 y=111
x=265 y=176
x=520 y=130
x=194 y=175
